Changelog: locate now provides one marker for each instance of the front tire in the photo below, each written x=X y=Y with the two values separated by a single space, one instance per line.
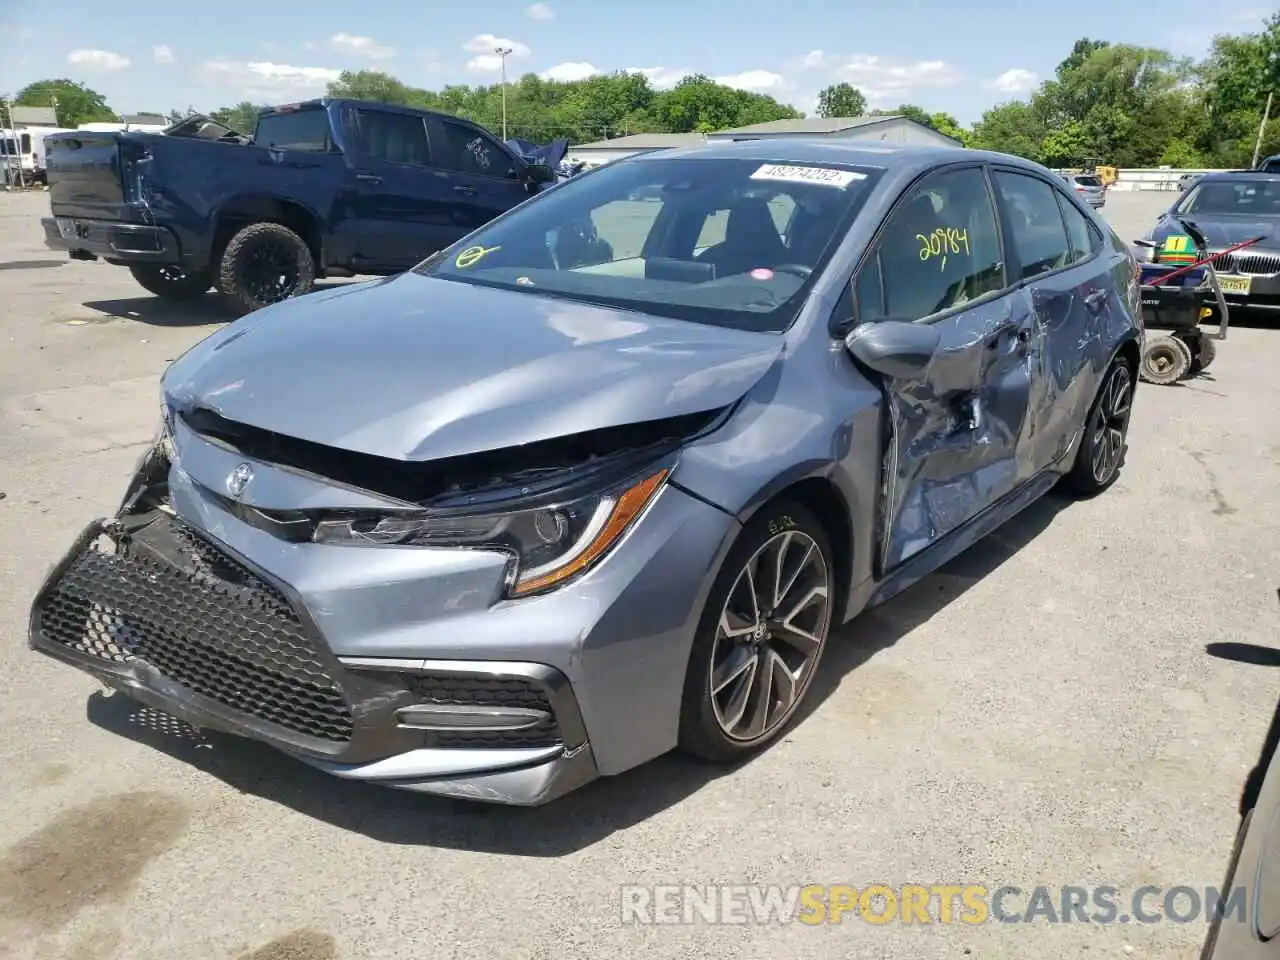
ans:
x=1106 y=431
x=263 y=264
x=761 y=636
x=172 y=283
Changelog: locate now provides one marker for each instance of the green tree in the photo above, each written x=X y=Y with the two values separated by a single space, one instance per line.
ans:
x=1015 y=127
x=379 y=87
x=242 y=118
x=75 y=103
x=841 y=100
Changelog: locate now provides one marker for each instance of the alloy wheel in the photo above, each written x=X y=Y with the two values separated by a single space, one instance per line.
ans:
x=770 y=636
x=1111 y=423
x=270 y=272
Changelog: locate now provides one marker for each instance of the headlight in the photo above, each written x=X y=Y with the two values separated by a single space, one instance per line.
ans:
x=164 y=433
x=550 y=543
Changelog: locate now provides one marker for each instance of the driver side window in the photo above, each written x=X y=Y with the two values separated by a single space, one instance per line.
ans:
x=938 y=250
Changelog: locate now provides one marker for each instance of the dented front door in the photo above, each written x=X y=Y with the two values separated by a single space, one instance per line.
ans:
x=961 y=435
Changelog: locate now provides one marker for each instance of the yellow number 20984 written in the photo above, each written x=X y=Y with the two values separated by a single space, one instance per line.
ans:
x=941 y=242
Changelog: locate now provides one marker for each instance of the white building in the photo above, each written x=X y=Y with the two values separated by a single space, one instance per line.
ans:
x=891 y=129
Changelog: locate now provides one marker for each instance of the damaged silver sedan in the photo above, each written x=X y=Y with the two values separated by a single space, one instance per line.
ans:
x=601 y=479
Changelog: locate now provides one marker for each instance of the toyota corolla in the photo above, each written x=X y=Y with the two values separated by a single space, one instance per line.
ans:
x=601 y=480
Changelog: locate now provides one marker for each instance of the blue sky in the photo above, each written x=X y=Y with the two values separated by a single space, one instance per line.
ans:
x=959 y=57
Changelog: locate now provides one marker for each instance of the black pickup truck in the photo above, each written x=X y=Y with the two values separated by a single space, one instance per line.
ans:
x=329 y=187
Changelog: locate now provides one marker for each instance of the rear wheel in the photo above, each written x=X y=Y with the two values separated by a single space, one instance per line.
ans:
x=1165 y=360
x=761 y=636
x=1207 y=353
x=263 y=264
x=171 y=282
x=1106 y=432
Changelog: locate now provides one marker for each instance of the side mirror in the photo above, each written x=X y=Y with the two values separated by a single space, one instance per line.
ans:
x=540 y=173
x=897 y=349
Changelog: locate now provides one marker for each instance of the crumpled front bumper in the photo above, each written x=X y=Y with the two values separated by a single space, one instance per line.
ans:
x=180 y=623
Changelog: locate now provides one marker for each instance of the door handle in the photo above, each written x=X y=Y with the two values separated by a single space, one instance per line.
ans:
x=367 y=178
x=1096 y=299
x=465 y=191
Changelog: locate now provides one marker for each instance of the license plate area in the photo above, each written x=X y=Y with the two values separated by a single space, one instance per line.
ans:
x=1237 y=285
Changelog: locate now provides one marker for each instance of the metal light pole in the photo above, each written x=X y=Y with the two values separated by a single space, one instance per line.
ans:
x=1266 y=114
x=502 y=52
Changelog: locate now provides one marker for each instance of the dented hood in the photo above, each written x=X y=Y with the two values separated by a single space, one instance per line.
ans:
x=415 y=368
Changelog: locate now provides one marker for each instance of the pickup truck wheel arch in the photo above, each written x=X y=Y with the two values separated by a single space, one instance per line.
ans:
x=262 y=264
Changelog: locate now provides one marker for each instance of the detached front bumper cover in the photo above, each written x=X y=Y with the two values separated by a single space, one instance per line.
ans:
x=154 y=609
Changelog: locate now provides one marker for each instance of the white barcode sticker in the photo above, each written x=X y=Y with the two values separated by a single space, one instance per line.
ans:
x=793 y=174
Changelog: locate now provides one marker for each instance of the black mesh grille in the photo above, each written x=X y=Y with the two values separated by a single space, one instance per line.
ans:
x=200 y=618
x=455 y=690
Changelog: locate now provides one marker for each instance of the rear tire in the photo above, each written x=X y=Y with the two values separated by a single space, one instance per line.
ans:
x=762 y=649
x=1207 y=354
x=263 y=264
x=1165 y=360
x=171 y=282
x=1104 y=442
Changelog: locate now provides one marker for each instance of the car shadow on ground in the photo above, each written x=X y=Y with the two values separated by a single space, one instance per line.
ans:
x=1252 y=654
x=582 y=818
x=157 y=312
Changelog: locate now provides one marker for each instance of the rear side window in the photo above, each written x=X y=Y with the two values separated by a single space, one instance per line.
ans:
x=1083 y=239
x=306 y=131
x=394 y=137
x=938 y=250
x=1038 y=235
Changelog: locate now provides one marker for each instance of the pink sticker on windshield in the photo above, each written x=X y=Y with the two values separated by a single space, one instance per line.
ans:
x=761 y=273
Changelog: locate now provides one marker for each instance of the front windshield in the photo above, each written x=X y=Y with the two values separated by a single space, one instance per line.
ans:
x=731 y=242
x=1251 y=197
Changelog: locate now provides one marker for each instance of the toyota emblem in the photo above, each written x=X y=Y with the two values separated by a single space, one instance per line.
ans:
x=239 y=479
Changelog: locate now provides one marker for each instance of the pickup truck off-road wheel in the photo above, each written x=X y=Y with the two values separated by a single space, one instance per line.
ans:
x=1106 y=433
x=761 y=636
x=263 y=264
x=172 y=283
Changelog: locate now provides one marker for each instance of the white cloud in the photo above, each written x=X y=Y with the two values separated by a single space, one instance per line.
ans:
x=429 y=61
x=814 y=58
x=486 y=45
x=755 y=81
x=540 y=11
x=103 y=60
x=162 y=53
x=662 y=78
x=309 y=45
x=265 y=82
x=365 y=47
x=1016 y=80
x=18 y=33
x=885 y=80
x=569 y=72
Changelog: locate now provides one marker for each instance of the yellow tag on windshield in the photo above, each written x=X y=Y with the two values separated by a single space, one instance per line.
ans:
x=473 y=255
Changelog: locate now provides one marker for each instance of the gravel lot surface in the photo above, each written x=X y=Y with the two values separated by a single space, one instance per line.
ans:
x=1042 y=712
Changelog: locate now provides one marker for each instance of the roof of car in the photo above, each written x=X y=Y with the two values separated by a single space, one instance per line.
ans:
x=1237 y=174
x=822 y=149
